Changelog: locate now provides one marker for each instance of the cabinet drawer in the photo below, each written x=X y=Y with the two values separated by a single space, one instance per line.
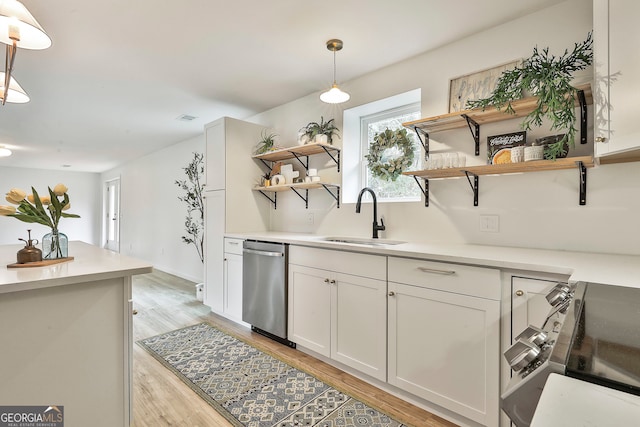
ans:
x=233 y=246
x=364 y=265
x=462 y=279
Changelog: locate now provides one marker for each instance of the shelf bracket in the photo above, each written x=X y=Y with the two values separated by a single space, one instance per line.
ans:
x=425 y=189
x=583 y=183
x=305 y=197
x=305 y=165
x=583 y=117
x=474 y=186
x=335 y=196
x=337 y=161
x=268 y=166
x=474 y=127
x=424 y=142
x=273 y=201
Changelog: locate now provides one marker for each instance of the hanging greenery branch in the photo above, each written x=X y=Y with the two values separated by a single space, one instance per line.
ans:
x=549 y=78
x=390 y=153
x=194 y=222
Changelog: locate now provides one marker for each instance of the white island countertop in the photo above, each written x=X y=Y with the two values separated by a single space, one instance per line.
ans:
x=90 y=263
x=623 y=270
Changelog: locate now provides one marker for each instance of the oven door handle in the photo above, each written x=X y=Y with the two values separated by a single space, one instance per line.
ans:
x=262 y=253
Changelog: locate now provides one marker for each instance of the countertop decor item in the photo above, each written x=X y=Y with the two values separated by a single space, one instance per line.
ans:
x=549 y=78
x=334 y=95
x=327 y=128
x=390 y=154
x=31 y=209
x=193 y=188
x=29 y=253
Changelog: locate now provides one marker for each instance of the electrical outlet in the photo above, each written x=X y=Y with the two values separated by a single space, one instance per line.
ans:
x=490 y=223
x=309 y=218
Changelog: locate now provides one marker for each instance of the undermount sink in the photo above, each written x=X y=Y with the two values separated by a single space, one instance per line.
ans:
x=362 y=241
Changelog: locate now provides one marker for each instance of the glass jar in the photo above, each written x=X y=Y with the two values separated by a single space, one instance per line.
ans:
x=55 y=245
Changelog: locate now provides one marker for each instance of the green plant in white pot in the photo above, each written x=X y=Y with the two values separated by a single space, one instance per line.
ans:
x=549 y=78
x=321 y=132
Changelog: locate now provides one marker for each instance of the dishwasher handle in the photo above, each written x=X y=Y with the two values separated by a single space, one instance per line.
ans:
x=262 y=253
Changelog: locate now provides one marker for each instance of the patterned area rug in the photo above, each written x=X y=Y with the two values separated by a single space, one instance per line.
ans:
x=252 y=388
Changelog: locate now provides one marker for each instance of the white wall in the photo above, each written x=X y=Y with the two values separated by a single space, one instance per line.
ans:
x=536 y=210
x=84 y=197
x=152 y=218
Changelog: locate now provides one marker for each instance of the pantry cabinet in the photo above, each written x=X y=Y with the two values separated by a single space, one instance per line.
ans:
x=338 y=315
x=444 y=335
x=617 y=66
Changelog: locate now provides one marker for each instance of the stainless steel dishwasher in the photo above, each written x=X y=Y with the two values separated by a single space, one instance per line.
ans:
x=264 y=288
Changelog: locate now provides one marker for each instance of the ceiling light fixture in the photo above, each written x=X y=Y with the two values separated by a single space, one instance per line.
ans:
x=334 y=95
x=4 y=152
x=18 y=29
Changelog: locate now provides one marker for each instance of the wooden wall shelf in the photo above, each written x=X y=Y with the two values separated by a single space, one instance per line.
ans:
x=458 y=119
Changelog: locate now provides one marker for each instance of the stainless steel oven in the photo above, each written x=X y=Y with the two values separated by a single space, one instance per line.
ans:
x=592 y=333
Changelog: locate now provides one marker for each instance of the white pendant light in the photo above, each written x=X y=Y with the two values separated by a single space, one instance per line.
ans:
x=17 y=24
x=4 y=152
x=334 y=95
x=15 y=94
x=18 y=29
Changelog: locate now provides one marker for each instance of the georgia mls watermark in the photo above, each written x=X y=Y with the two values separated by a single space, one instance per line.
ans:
x=32 y=416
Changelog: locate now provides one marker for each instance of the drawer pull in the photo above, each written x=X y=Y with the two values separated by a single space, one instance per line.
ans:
x=326 y=280
x=233 y=243
x=436 y=271
x=519 y=292
x=391 y=293
x=333 y=282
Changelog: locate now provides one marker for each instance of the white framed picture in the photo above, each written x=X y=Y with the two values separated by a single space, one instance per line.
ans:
x=476 y=85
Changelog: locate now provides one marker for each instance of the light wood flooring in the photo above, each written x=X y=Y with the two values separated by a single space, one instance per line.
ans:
x=163 y=303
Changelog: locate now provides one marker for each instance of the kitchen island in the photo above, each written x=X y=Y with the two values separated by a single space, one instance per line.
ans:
x=66 y=334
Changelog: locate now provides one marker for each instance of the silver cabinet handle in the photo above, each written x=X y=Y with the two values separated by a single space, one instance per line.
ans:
x=436 y=271
x=263 y=253
x=391 y=293
x=519 y=292
x=233 y=243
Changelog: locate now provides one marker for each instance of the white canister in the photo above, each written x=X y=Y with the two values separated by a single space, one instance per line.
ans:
x=533 y=152
x=517 y=154
x=312 y=172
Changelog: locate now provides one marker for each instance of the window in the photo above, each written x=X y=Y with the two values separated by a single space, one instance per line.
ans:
x=404 y=188
x=360 y=126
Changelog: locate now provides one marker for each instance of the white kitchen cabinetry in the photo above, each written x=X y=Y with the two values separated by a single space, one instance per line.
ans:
x=339 y=315
x=617 y=67
x=230 y=205
x=444 y=335
x=233 y=279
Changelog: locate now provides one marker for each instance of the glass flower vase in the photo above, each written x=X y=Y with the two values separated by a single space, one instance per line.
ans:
x=55 y=245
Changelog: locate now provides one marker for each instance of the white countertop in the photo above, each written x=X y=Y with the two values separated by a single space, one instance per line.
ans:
x=91 y=263
x=623 y=270
x=569 y=402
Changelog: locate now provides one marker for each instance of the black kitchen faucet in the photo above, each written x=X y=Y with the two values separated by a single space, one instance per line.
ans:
x=376 y=227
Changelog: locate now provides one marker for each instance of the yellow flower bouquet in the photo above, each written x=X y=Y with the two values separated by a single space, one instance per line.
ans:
x=45 y=210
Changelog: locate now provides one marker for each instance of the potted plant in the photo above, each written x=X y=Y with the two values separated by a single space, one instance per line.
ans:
x=321 y=132
x=266 y=143
x=548 y=78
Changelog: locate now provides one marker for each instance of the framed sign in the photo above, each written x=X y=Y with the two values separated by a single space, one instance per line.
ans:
x=475 y=86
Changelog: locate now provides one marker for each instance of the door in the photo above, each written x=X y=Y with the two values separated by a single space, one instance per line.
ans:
x=112 y=215
x=214 y=206
x=310 y=308
x=444 y=347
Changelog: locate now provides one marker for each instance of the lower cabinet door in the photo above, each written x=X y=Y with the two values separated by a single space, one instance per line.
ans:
x=444 y=347
x=310 y=308
x=359 y=324
x=233 y=286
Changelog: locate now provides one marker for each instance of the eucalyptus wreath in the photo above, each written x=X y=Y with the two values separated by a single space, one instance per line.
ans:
x=390 y=153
